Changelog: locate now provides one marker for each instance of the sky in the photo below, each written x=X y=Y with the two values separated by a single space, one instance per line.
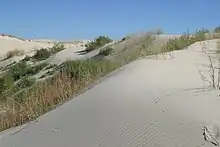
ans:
x=87 y=19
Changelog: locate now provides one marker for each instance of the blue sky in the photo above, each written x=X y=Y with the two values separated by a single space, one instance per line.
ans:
x=86 y=19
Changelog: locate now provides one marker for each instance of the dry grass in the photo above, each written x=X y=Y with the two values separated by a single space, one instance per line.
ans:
x=72 y=79
x=15 y=52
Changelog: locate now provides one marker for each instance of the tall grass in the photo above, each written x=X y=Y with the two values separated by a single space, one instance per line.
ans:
x=73 y=78
x=184 y=41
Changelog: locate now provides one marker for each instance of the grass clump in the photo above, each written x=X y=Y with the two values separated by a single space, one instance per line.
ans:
x=42 y=54
x=35 y=69
x=15 y=52
x=184 y=41
x=106 y=51
x=97 y=43
x=73 y=78
x=27 y=58
x=45 y=53
x=6 y=82
x=217 y=29
x=57 y=48
x=19 y=70
x=25 y=82
x=22 y=69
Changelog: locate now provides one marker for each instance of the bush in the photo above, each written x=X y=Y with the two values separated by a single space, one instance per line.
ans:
x=15 y=52
x=97 y=43
x=84 y=69
x=6 y=82
x=184 y=41
x=42 y=54
x=217 y=29
x=19 y=70
x=106 y=51
x=25 y=82
x=27 y=58
x=159 y=31
x=57 y=48
x=35 y=69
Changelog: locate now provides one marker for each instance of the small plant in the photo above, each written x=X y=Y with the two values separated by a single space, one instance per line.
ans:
x=159 y=31
x=184 y=41
x=27 y=58
x=106 y=51
x=26 y=82
x=214 y=72
x=35 y=69
x=217 y=29
x=15 y=52
x=42 y=54
x=6 y=82
x=57 y=48
x=97 y=43
x=19 y=70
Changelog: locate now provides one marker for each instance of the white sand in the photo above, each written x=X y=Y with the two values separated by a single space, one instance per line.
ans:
x=8 y=43
x=148 y=103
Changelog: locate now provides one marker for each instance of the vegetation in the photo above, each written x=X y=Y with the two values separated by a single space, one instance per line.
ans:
x=27 y=58
x=42 y=54
x=26 y=82
x=19 y=71
x=15 y=52
x=184 y=41
x=57 y=48
x=45 y=53
x=97 y=43
x=106 y=51
x=159 y=31
x=217 y=29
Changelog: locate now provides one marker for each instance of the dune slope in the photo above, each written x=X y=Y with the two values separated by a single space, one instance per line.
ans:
x=148 y=103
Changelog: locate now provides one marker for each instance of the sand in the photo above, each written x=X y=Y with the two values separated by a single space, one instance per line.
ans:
x=147 y=103
x=9 y=43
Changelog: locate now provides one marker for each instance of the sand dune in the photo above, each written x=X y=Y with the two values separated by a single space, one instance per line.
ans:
x=10 y=43
x=148 y=103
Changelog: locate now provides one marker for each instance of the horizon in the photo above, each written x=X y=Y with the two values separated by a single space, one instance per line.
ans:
x=73 y=20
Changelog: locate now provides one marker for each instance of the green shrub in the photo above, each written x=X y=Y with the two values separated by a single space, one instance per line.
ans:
x=27 y=58
x=106 y=51
x=217 y=29
x=184 y=41
x=26 y=82
x=35 y=69
x=97 y=43
x=6 y=82
x=83 y=69
x=42 y=54
x=159 y=31
x=57 y=48
x=19 y=70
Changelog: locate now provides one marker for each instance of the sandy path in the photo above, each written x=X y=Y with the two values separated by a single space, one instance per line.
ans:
x=148 y=103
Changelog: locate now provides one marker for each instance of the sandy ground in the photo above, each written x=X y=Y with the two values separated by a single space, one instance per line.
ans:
x=9 y=43
x=148 y=103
